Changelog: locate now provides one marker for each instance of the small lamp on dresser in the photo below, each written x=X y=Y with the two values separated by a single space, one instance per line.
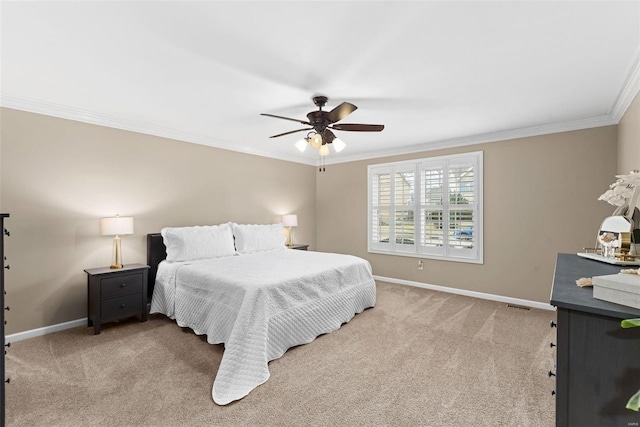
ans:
x=290 y=221
x=116 y=226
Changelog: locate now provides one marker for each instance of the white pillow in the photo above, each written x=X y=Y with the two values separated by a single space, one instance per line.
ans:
x=198 y=242
x=257 y=238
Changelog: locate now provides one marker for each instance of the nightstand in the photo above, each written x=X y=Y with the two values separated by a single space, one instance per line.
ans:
x=115 y=294
x=299 y=247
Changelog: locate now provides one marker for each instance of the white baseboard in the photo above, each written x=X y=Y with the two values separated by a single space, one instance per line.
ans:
x=515 y=301
x=481 y=295
x=45 y=330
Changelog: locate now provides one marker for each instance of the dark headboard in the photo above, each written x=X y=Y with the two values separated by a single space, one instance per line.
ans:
x=156 y=252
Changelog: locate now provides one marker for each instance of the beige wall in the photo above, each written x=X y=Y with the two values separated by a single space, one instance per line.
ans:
x=540 y=198
x=629 y=138
x=59 y=177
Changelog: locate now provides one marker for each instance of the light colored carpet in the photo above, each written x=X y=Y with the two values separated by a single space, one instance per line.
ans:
x=419 y=358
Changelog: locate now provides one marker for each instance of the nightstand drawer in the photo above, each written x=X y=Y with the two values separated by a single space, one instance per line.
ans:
x=121 y=306
x=121 y=285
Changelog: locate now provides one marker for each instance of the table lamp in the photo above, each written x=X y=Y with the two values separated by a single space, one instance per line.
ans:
x=116 y=226
x=290 y=221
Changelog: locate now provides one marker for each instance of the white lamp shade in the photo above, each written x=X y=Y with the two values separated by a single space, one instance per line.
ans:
x=316 y=140
x=119 y=225
x=338 y=145
x=302 y=145
x=324 y=150
x=290 y=220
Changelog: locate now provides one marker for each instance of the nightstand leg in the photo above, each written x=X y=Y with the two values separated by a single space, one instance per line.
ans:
x=96 y=328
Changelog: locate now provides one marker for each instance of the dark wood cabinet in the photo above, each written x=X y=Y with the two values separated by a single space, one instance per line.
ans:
x=597 y=361
x=115 y=294
x=2 y=309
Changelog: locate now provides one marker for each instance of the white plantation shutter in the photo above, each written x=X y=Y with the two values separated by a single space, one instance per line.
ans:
x=380 y=208
x=429 y=208
x=463 y=230
x=404 y=231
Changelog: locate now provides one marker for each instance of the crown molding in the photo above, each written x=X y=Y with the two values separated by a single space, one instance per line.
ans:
x=629 y=90
x=71 y=113
x=85 y=116
x=483 y=138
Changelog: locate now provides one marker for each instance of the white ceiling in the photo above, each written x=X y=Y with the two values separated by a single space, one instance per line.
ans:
x=434 y=73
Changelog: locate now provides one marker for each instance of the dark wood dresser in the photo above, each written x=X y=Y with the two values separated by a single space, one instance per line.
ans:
x=598 y=362
x=5 y=232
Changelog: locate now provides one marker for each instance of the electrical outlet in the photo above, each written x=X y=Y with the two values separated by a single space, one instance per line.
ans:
x=420 y=265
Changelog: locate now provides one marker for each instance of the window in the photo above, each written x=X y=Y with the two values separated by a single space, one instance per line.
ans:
x=429 y=208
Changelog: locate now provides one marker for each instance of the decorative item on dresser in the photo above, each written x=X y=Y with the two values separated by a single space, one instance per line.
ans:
x=116 y=294
x=617 y=239
x=5 y=232
x=598 y=367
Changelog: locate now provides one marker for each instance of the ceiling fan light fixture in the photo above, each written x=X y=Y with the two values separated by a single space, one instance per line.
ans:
x=338 y=145
x=302 y=145
x=321 y=125
x=324 y=150
x=316 y=140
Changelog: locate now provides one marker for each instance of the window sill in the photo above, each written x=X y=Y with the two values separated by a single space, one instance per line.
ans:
x=427 y=256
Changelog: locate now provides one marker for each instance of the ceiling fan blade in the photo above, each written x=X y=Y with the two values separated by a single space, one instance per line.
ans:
x=356 y=127
x=287 y=133
x=340 y=112
x=286 y=118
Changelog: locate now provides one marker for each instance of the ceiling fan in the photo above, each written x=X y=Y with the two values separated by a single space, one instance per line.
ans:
x=322 y=123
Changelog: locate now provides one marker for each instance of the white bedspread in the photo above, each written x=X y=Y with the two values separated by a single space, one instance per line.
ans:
x=261 y=304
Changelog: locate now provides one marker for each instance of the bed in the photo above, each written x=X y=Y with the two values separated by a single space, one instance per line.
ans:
x=258 y=298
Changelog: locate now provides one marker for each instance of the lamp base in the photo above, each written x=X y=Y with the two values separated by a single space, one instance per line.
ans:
x=117 y=254
x=290 y=238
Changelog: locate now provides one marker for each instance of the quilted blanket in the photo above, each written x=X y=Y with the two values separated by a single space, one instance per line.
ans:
x=260 y=305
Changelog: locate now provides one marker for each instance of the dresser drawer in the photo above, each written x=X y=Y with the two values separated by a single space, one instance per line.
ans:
x=125 y=284
x=122 y=306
